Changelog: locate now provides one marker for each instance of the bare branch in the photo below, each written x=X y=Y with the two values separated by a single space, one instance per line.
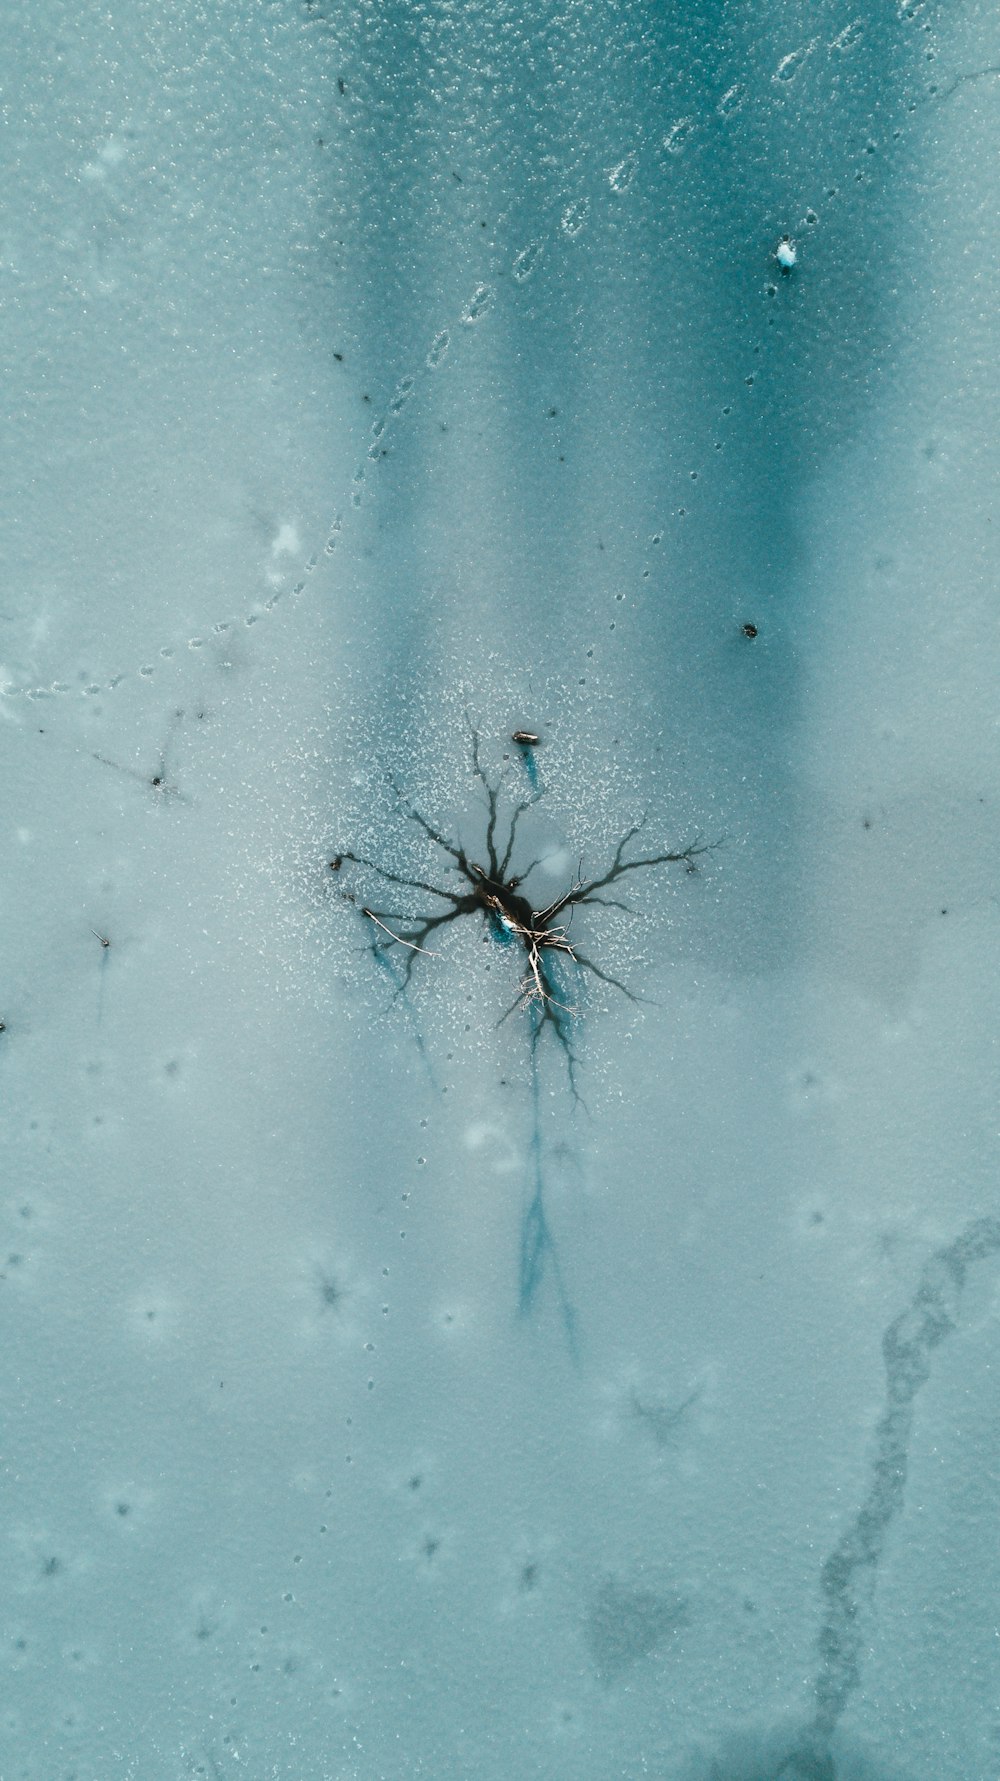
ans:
x=435 y=890
x=413 y=939
x=400 y=938
x=518 y=812
x=541 y=916
x=429 y=829
x=549 y=1014
x=581 y=893
x=492 y=801
x=605 y=977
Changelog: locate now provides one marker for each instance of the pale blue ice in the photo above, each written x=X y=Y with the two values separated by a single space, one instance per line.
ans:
x=382 y=1399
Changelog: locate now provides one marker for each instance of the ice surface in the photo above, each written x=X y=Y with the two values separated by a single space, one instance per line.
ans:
x=374 y=1407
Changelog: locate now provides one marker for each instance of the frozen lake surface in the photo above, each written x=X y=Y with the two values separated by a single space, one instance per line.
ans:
x=557 y=1342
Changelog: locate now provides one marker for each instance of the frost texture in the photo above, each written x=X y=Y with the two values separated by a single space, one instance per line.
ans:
x=374 y=1406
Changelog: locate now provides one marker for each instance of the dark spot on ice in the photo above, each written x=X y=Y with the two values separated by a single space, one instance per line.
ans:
x=624 y=1625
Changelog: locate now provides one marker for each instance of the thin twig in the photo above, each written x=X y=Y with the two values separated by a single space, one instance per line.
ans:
x=398 y=937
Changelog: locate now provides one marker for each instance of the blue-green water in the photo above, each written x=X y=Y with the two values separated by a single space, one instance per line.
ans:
x=573 y=1363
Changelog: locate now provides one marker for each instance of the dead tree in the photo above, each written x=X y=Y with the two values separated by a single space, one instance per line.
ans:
x=490 y=890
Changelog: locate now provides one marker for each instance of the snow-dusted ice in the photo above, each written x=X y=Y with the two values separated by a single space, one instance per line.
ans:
x=500 y=727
